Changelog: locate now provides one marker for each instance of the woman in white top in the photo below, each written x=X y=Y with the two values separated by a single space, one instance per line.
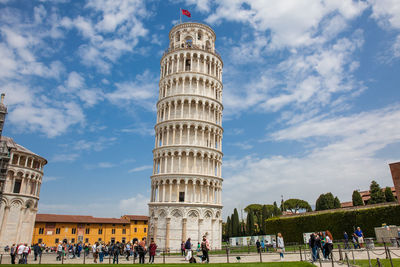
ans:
x=280 y=245
x=328 y=244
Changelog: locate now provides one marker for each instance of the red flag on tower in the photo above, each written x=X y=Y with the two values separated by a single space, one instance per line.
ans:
x=186 y=12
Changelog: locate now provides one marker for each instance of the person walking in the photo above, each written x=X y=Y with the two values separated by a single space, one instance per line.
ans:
x=13 y=252
x=142 y=250
x=115 y=252
x=59 y=251
x=280 y=245
x=101 y=250
x=328 y=244
x=95 y=252
x=36 y=251
x=27 y=251
x=152 y=250
x=188 y=249
x=262 y=246
x=135 y=250
x=346 y=240
x=205 y=247
x=312 y=243
x=128 y=250
x=20 y=253
x=360 y=237
x=183 y=248
x=258 y=245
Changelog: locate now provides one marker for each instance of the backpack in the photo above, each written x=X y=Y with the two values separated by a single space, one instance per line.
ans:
x=140 y=249
x=192 y=260
x=187 y=245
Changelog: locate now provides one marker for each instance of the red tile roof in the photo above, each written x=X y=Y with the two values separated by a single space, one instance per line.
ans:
x=136 y=217
x=56 y=218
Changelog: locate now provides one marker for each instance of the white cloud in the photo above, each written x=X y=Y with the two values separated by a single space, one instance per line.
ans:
x=342 y=158
x=141 y=91
x=135 y=205
x=50 y=178
x=289 y=26
x=141 y=168
x=64 y=157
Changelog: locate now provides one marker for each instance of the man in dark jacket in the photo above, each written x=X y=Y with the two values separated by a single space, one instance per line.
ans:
x=37 y=251
x=115 y=251
x=312 y=244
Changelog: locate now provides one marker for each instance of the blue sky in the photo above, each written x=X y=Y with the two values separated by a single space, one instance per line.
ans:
x=311 y=96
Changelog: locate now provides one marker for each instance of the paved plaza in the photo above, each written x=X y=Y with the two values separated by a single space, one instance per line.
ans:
x=50 y=258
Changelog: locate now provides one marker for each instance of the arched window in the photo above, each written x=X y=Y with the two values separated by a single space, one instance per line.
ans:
x=188 y=41
x=199 y=35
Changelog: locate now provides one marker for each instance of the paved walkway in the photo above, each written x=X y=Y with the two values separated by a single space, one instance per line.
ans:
x=50 y=258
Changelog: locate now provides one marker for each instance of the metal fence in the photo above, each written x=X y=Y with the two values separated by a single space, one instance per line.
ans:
x=339 y=256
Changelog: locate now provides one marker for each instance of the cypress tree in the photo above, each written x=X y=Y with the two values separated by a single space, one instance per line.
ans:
x=389 y=195
x=228 y=227
x=336 y=203
x=357 y=199
x=376 y=193
x=250 y=223
x=235 y=223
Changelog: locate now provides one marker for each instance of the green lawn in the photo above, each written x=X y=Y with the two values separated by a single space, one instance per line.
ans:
x=384 y=262
x=269 y=264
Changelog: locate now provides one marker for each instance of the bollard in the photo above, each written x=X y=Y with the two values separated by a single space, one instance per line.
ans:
x=227 y=254
x=40 y=258
x=260 y=256
x=248 y=249
x=347 y=259
x=1 y=258
x=62 y=258
x=301 y=257
x=163 y=260
x=84 y=257
x=378 y=262
x=319 y=259
x=369 y=258
x=384 y=245
x=340 y=252
x=352 y=254
x=333 y=264
x=109 y=258
x=390 y=257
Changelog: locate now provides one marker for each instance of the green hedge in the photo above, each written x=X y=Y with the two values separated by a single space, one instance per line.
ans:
x=292 y=228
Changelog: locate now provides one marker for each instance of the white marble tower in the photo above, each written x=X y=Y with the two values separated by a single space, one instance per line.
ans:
x=186 y=183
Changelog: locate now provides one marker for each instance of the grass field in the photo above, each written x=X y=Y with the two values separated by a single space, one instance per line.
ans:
x=384 y=262
x=268 y=264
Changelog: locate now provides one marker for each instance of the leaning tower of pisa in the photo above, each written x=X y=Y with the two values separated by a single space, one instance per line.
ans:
x=186 y=183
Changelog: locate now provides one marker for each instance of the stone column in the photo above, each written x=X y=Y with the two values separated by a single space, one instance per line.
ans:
x=167 y=233
x=184 y=220
x=212 y=232
x=3 y=225
x=155 y=229
x=200 y=223
x=20 y=218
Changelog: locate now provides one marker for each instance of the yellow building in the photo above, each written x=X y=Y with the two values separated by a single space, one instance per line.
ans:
x=52 y=228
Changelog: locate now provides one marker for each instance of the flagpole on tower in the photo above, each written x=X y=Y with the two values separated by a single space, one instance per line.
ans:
x=180 y=15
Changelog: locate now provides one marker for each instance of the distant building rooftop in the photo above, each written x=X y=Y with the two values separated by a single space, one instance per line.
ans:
x=57 y=218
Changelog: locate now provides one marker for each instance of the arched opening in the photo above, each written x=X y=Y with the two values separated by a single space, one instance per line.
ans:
x=188 y=41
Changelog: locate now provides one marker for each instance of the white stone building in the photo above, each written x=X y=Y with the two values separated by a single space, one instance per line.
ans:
x=186 y=183
x=20 y=196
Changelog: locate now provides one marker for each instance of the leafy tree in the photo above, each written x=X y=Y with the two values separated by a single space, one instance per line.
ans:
x=295 y=205
x=336 y=203
x=235 y=223
x=389 y=195
x=250 y=223
x=376 y=193
x=325 y=202
x=257 y=212
x=357 y=199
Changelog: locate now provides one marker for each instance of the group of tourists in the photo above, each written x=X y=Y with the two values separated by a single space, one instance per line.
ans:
x=187 y=250
x=20 y=252
x=357 y=239
x=278 y=245
x=115 y=250
x=321 y=242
